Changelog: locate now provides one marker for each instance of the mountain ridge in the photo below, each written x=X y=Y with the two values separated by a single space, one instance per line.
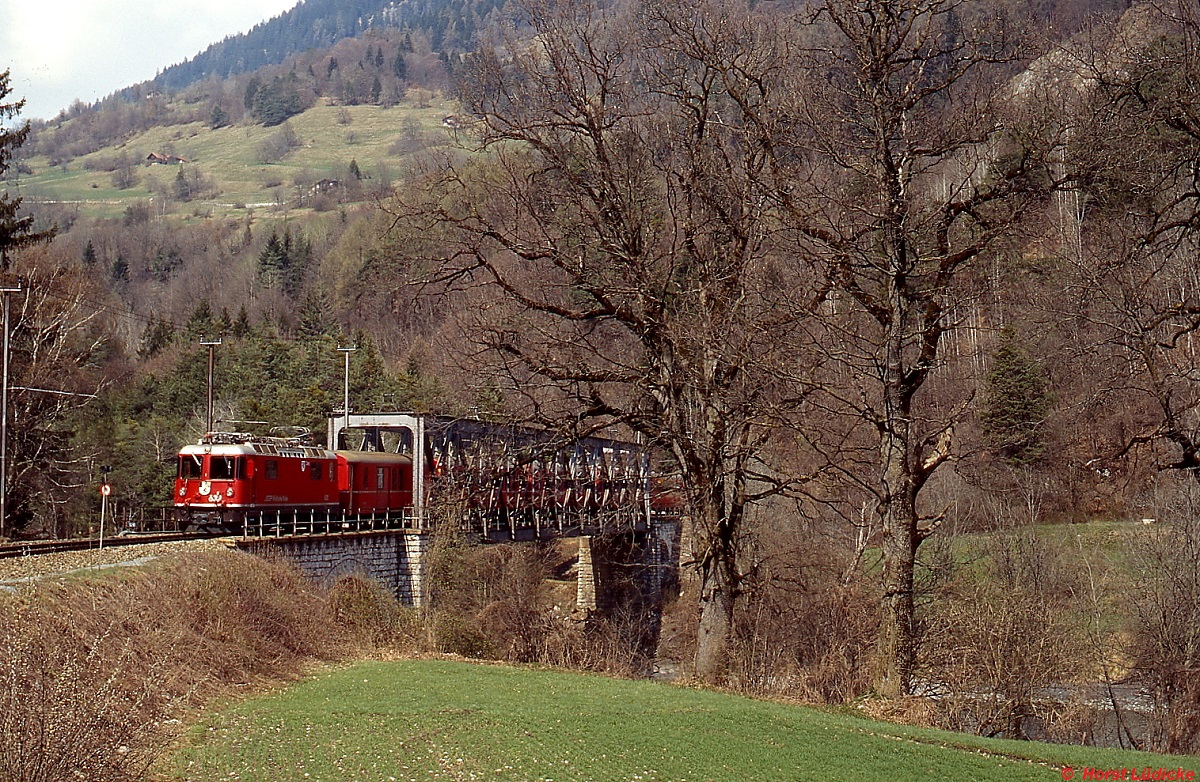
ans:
x=319 y=24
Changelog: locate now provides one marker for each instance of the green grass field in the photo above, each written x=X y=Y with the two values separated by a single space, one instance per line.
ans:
x=444 y=720
x=329 y=138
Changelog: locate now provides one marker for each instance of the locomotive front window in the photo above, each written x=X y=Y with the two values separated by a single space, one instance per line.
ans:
x=220 y=468
x=189 y=467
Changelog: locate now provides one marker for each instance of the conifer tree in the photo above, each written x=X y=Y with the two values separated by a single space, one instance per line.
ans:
x=218 y=118
x=157 y=337
x=120 y=270
x=201 y=322
x=315 y=317
x=241 y=326
x=15 y=232
x=272 y=261
x=1017 y=402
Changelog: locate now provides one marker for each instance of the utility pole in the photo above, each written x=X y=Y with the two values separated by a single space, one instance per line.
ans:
x=7 y=292
x=211 y=345
x=346 y=399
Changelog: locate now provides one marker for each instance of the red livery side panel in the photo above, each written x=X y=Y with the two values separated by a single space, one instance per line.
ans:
x=223 y=481
x=370 y=482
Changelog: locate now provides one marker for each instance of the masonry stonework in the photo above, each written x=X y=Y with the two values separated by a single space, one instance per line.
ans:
x=394 y=558
x=634 y=570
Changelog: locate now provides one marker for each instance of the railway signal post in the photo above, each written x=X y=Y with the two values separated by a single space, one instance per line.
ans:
x=105 y=490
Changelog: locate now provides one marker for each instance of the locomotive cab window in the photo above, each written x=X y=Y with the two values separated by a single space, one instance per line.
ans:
x=220 y=468
x=189 y=467
x=271 y=469
x=317 y=471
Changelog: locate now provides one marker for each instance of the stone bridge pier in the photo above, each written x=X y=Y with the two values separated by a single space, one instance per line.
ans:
x=631 y=571
x=394 y=558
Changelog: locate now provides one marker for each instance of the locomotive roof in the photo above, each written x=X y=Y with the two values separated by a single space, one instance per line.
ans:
x=269 y=446
x=233 y=444
x=374 y=457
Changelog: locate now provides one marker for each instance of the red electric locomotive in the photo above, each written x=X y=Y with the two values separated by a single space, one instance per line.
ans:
x=229 y=481
x=228 y=476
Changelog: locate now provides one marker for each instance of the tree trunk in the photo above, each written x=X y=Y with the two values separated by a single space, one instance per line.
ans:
x=897 y=633
x=716 y=550
x=716 y=627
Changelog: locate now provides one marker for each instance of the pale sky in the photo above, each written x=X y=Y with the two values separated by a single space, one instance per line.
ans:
x=62 y=50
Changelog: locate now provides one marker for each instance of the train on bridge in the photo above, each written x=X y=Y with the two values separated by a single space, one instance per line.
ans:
x=411 y=470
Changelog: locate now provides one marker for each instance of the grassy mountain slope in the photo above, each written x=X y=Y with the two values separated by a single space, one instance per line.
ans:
x=329 y=137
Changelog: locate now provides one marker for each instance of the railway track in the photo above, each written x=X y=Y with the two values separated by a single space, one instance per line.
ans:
x=30 y=548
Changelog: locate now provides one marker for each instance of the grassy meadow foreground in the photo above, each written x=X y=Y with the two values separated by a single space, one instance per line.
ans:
x=438 y=719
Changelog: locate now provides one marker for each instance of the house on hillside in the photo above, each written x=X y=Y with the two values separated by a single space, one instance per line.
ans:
x=159 y=159
x=326 y=186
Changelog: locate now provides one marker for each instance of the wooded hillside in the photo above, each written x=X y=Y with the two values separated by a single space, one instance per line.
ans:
x=870 y=276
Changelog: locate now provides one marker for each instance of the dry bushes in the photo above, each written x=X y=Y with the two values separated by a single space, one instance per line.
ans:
x=74 y=711
x=616 y=643
x=1166 y=618
x=803 y=631
x=372 y=617
x=491 y=602
x=1001 y=635
x=504 y=602
x=91 y=669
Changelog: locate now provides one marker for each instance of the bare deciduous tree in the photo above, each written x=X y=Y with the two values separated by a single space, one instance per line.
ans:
x=619 y=223
x=910 y=160
x=1166 y=617
x=60 y=359
x=1136 y=167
